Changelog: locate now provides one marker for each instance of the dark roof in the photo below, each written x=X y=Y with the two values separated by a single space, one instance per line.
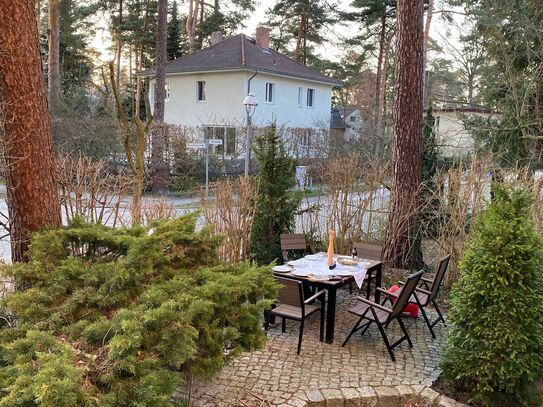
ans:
x=463 y=110
x=242 y=53
x=346 y=111
x=336 y=121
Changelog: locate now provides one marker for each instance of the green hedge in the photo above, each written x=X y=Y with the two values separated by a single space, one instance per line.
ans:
x=117 y=317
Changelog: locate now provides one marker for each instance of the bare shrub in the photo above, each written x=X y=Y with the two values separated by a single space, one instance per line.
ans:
x=352 y=201
x=155 y=209
x=231 y=215
x=461 y=197
x=89 y=191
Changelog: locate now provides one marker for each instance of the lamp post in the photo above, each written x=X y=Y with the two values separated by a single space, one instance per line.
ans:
x=250 y=104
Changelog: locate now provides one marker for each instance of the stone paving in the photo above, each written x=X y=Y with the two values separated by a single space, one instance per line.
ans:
x=276 y=372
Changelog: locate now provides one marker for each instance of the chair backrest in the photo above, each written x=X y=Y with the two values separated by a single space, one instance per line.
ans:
x=291 y=292
x=368 y=251
x=293 y=241
x=405 y=295
x=438 y=277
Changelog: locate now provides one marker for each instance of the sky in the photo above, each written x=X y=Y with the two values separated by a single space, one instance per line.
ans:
x=102 y=40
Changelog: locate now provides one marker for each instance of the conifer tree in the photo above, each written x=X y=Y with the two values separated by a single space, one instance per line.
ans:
x=495 y=345
x=174 y=45
x=119 y=317
x=276 y=204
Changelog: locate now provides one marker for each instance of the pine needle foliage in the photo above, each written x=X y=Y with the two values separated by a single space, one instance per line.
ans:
x=495 y=346
x=277 y=204
x=117 y=317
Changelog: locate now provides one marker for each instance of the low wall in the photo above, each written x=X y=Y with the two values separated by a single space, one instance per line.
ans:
x=389 y=396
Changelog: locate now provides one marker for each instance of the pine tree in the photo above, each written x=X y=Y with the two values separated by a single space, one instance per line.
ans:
x=301 y=22
x=32 y=190
x=276 y=204
x=174 y=46
x=403 y=246
x=495 y=345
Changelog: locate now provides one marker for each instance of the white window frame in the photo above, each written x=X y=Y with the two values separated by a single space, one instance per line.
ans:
x=168 y=92
x=270 y=85
x=300 y=96
x=312 y=91
x=203 y=93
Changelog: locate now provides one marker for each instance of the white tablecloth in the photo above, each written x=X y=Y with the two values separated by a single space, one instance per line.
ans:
x=315 y=265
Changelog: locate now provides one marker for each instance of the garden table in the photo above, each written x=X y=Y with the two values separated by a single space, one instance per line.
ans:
x=322 y=281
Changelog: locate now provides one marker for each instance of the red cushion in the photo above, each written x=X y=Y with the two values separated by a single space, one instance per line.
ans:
x=411 y=308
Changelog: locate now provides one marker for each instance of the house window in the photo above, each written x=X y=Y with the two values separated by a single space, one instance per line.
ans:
x=201 y=91
x=167 y=96
x=228 y=137
x=270 y=92
x=306 y=138
x=310 y=97
x=300 y=96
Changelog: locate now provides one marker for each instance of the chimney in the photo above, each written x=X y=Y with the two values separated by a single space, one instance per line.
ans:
x=216 y=37
x=263 y=37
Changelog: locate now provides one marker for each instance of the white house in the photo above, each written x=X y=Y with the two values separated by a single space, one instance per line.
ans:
x=452 y=137
x=206 y=89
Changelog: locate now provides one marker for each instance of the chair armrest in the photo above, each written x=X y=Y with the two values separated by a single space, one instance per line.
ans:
x=374 y=304
x=386 y=292
x=422 y=290
x=314 y=296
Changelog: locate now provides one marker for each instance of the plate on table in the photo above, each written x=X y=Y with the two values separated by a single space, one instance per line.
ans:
x=347 y=261
x=318 y=277
x=301 y=273
x=315 y=257
x=282 y=269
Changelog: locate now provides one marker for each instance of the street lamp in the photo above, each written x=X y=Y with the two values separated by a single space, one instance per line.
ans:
x=250 y=104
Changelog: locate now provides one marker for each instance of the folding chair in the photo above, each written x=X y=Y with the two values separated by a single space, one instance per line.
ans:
x=383 y=316
x=423 y=297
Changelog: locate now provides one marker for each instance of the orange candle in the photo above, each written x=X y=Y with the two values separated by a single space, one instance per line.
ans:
x=331 y=238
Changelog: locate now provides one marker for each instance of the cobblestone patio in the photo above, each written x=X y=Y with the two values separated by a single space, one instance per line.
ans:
x=276 y=372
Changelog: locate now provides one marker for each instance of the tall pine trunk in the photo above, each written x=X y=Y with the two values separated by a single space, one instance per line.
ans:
x=403 y=246
x=32 y=194
x=160 y=171
x=54 y=55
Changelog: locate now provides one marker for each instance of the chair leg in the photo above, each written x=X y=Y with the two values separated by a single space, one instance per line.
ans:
x=368 y=287
x=439 y=312
x=404 y=330
x=350 y=287
x=321 y=332
x=385 y=339
x=352 y=331
x=301 y=336
x=284 y=325
x=423 y=312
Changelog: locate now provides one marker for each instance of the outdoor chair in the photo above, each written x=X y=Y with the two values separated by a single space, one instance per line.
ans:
x=382 y=316
x=293 y=305
x=423 y=297
x=371 y=252
x=293 y=242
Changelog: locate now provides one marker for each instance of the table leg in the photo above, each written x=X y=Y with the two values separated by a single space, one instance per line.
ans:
x=331 y=315
x=378 y=282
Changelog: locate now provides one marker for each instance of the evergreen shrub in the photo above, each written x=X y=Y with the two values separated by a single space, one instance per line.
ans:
x=495 y=345
x=277 y=204
x=117 y=317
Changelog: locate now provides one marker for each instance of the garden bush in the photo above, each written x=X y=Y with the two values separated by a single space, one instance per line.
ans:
x=118 y=317
x=495 y=345
x=277 y=204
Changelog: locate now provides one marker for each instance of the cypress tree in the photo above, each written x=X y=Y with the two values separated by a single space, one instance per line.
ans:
x=495 y=345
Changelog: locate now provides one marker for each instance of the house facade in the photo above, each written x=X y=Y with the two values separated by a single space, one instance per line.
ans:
x=453 y=139
x=206 y=89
